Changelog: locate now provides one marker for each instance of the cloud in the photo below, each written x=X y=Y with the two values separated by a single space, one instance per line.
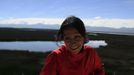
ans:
x=97 y=17
x=31 y=21
x=96 y=21
x=115 y=23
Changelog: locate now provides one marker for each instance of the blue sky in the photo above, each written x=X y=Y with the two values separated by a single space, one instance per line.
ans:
x=85 y=9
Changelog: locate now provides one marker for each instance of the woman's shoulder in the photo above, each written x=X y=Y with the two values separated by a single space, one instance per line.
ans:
x=88 y=48
x=59 y=49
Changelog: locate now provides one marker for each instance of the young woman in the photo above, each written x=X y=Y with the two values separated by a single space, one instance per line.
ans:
x=74 y=57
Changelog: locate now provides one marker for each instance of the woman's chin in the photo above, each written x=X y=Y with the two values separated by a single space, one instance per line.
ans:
x=74 y=49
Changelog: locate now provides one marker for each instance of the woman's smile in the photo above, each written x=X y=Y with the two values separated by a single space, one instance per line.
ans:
x=74 y=46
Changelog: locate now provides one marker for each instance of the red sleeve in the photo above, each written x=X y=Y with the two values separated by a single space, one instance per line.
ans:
x=99 y=69
x=49 y=67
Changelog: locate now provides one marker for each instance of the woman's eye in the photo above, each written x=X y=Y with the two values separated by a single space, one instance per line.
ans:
x=77 y=37
x=74 y=38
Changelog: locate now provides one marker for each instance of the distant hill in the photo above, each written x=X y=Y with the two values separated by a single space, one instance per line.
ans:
x=37 y=26
x=108 y=30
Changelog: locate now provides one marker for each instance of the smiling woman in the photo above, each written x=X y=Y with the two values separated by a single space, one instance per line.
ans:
x=74 y=57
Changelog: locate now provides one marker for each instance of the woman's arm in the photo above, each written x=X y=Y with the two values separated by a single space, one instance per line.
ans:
x=99 y=66
x=49 y=67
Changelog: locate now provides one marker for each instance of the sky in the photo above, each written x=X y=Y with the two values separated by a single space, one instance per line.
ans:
x=101 y=13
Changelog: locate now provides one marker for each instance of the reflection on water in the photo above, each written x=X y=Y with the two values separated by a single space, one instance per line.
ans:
x=97 y=44
x=41 y=45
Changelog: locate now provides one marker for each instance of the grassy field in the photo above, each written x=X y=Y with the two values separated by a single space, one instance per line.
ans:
x=21 y=62
x=27 y=34
x=118 y=56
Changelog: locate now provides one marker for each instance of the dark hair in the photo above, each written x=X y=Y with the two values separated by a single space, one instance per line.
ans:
x=71 y=22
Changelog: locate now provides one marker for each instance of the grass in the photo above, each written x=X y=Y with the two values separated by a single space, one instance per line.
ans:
x=21 y=62
x=27 y=34
x=118 y=55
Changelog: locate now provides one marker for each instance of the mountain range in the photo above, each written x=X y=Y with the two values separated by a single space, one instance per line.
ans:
x=123 y=30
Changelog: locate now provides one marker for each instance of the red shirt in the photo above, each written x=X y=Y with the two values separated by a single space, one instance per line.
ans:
x=63 y=62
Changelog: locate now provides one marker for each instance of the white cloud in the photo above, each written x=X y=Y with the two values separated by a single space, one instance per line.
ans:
x=31 y=21
x=97 y=17
x=115 y=23
x=97 y=21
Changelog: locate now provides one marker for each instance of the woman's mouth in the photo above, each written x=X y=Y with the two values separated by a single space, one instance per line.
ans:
x=74 y=46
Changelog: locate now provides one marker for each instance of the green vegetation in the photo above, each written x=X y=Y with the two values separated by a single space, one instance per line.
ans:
x=14 y=62
x=117 y=56
x=27 y=34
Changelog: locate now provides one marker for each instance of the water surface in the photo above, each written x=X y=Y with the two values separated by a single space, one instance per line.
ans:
x=42 y=45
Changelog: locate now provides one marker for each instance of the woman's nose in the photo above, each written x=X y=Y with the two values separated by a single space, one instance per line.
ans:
x=72 y=41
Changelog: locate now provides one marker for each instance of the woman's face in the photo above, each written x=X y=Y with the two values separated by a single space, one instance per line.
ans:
x=73 y=40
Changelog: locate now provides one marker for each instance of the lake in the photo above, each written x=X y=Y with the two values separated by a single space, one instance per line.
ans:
x=42 y=46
